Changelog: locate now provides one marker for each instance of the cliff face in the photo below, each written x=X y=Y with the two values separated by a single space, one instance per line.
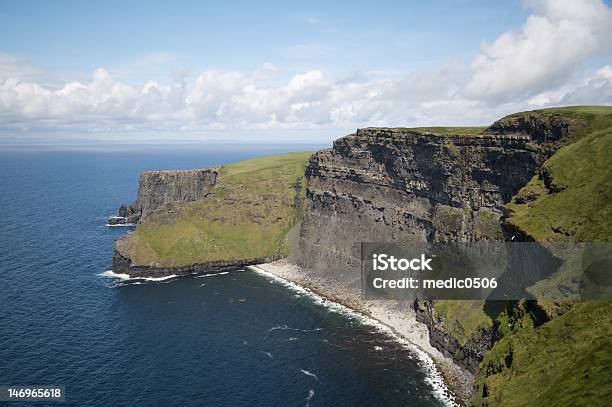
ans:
x=383 y=184
x=213 y=219
x=542 y=128
x=399 y=185
x=467 y=354
x=157 y=188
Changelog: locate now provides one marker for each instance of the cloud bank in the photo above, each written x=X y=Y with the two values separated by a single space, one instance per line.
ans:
x=541 y=64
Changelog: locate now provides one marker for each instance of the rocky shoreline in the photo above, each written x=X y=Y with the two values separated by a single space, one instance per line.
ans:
x=398 y=316
x=123 y=265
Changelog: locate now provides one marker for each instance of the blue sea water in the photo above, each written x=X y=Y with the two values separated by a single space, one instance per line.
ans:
x=227 y=340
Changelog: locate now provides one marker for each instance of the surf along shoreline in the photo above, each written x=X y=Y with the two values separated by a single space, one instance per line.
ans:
x=452 y=384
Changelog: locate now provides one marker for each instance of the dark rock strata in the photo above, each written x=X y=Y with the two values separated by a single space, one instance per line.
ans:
x=383 y=184
x=545 y=129
x=157 y=188
x=123 y=264
x=468 y=354
x=397 y=185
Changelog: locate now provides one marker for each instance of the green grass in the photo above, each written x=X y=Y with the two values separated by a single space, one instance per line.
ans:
x=581 y=211
x=579 y=206
x=248 y=215
x=463 y=319
x=564 y=362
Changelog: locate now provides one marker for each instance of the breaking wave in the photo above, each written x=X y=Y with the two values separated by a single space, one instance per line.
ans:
x=433 y=375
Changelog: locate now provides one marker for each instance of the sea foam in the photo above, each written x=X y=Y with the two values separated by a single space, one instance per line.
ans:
x=433 y=376
x=126 y=277
x=213 y=274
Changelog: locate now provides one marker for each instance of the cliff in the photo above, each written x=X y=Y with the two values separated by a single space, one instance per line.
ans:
x=385 y=184
x=157 y=188
x=400 y=185
x=213 y=219
x=539 y=176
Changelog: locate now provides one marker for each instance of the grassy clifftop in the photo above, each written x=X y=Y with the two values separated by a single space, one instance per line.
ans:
x=247 y=215
x=572 y=197
x=566 y=360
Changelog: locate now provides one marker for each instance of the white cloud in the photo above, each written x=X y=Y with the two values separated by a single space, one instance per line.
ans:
x=534 y=67
x=593 y=90
x=544 y=52
x=247 y=100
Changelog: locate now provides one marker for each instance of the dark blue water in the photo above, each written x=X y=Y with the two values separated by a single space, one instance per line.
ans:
x=235 y=339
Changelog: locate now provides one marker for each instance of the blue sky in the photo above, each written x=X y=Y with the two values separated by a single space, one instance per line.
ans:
x=243 y=70
x=77 y=37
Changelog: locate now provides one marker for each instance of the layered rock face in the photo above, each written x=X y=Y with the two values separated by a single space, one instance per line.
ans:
x=384 y=184
x=124 y=265
x=544 y=129
x=157 y=188
x=387 y=185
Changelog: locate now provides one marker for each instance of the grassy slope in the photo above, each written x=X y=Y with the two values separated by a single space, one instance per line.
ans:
x=463 y=319
x=248 y=215
x=583 y=208
x=567 y=360
x=564 y=362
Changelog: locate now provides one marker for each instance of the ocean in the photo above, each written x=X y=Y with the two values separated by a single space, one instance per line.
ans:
x=222 y=340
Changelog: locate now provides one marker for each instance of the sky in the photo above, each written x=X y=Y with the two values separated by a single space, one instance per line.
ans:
x=142 y=71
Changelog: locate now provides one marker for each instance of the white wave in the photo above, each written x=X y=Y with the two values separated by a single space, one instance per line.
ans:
x=156 y=278
x=213 y=274
x=311 y=394
x=127 y=277
x=378 y=348
x=433 y=376
x=268 y=354
x=282 y=327
x=307 y=373
x=111 y=274
x=288 y=328
x=121 y=225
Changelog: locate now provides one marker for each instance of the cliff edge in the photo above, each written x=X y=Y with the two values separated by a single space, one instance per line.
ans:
x=213 y=219
x=158 y=188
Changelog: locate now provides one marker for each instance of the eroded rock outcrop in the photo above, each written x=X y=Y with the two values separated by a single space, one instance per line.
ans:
x=157 y=188
x=546 y=129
